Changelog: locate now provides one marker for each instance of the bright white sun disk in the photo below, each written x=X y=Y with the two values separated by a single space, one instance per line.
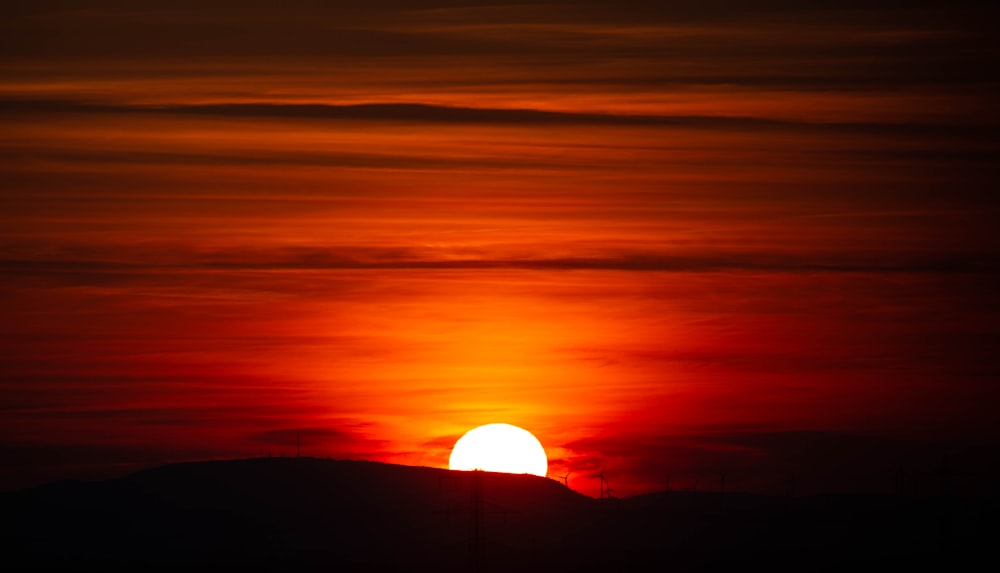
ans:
x=499 y=448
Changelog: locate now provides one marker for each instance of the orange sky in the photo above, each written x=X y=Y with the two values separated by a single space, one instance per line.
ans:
x=676 y=241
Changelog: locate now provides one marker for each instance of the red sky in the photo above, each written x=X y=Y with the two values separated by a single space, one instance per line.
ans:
x=676 y=241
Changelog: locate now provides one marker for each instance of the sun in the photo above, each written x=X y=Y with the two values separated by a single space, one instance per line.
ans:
x=499 y=448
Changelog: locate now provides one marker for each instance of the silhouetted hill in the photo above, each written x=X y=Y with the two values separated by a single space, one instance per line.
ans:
x=316 y=514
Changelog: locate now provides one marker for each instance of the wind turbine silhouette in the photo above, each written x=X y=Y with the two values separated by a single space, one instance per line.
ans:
x=605 y=488
x=565 y=479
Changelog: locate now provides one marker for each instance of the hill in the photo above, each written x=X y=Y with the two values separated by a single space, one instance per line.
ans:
x=307 y=514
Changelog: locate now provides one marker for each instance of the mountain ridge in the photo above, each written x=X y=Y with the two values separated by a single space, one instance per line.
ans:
x=306 y=514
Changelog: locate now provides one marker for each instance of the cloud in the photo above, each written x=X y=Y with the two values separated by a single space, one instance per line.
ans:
x=324 y=441
x=427 y=113
x=223 y=222
x=821 y=45
x=409 y=112
x=386 y=258
x=785 y=461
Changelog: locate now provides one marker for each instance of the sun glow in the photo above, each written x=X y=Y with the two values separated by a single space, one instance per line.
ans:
x=499 y=448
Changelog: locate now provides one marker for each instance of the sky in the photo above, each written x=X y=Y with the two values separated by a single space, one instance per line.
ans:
x=672 y=240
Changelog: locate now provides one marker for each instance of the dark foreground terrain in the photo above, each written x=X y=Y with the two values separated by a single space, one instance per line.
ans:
x=318 y=515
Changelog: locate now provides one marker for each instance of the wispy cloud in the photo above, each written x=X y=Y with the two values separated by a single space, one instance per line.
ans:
x=677 y=238
x=795 y=462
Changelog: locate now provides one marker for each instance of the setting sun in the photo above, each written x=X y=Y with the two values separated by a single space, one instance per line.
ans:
x=499 y=448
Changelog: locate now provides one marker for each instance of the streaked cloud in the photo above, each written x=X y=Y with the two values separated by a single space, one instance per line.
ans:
x=675 y=238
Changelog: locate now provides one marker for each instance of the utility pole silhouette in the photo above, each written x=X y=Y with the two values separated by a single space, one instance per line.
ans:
x=722 y=490
x=478 y=512
x=477 y=524
x=298 y=443
x=945 y=475
x=790 y=485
